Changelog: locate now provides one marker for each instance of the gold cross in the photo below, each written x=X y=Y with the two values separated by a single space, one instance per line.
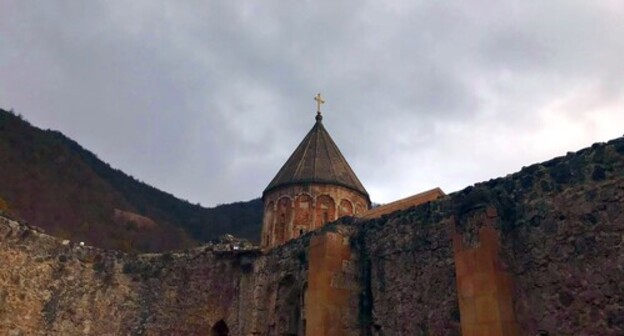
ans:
x=319 y=101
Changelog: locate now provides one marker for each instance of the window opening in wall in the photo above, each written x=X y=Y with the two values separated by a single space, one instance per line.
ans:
x=325 y=217
x=301 y=232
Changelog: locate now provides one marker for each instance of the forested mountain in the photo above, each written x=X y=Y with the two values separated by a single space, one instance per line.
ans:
x=52 y=182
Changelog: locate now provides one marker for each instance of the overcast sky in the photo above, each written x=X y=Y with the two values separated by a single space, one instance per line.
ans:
x=207 y=99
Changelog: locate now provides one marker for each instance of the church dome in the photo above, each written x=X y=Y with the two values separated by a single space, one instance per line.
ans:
x=317 y=160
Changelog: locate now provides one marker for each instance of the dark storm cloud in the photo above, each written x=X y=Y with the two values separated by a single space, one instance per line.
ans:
x=207 y=99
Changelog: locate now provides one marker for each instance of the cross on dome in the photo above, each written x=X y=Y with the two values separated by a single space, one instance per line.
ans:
x=319 y=101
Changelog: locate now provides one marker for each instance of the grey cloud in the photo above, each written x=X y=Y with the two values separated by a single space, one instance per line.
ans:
x=207 y=99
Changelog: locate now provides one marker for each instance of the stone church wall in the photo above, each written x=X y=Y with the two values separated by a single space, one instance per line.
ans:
x=558 y=229
x=294 y=210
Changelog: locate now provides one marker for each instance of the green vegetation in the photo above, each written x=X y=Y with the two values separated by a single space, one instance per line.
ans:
x=58 y=185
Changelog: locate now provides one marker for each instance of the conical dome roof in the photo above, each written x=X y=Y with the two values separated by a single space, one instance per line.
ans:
x=317 y=159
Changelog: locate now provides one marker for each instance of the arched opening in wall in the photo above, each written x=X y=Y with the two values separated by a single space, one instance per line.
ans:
x=345 y=208
x=284 y=217
x=303 y=212
x=325 y=210
x=269 y=216
x=359 y=208
x=220 y=329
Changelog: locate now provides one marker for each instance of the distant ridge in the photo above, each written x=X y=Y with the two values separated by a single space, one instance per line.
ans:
x=50 y=181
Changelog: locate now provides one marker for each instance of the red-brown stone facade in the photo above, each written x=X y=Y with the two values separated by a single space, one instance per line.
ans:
x=293 y=210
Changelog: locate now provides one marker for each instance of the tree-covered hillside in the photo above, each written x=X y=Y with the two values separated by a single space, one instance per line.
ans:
x=52 y=182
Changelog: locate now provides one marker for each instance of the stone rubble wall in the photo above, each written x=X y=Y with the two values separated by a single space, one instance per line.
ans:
x=560 y=225
x=568 y=262
x=49 y=287
x=561 y=228
x=408 y=274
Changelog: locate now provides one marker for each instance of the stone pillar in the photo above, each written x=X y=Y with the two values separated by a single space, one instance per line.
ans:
x=331 y=300
x=484 y=288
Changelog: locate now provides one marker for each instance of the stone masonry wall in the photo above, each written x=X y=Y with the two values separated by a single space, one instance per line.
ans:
x=408 y=273
x=294 y=210
x=49 y=287
x=559 y=228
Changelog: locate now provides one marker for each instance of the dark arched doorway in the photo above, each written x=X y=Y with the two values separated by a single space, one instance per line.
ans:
x=220 y=329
